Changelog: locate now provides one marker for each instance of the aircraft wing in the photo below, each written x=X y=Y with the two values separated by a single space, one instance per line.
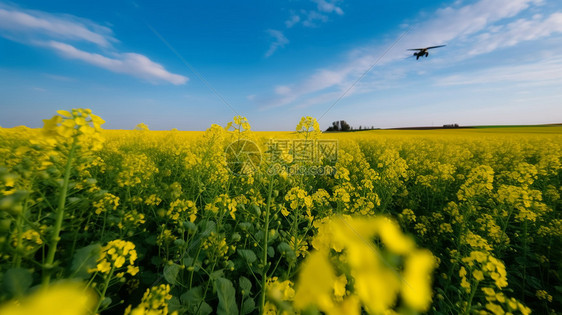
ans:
x=417 y=49
x=436 y=46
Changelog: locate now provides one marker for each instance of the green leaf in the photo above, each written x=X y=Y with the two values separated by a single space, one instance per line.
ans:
x=205 y=309
x=105 y=303
x=16 y=281
x=248 y=255
x=193 y=296
x=208 y=227
x=246 y=226
x=270 y=251
x=156 y=260
x=171 y=273
x=248 y=307
x=85 y=259
x=226 y=294
x=216 y=274
x=245 y=285
x=174 y=305
x=286 y=251
x=193 y=300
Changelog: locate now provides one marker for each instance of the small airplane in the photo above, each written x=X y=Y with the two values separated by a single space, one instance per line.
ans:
x=421 y=52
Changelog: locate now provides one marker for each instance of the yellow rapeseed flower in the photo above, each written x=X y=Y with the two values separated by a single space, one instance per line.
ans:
x=59 y=299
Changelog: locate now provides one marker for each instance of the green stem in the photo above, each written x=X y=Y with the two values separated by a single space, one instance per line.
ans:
x=59 y=215
x=265 y=245
x=469 y=305
x=524 y=261
x=19 y=238
x=105 y=286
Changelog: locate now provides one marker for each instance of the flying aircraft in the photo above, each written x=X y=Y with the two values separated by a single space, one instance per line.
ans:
x=421 y=52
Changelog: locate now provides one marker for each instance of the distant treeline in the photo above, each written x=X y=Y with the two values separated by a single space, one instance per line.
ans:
x=342 y=125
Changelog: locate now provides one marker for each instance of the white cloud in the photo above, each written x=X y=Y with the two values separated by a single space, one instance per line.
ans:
x=282 y=90
x=547 y=71
x=518 y=31
x=328 y=7
x=57 y=31
x=279 y=41
x=128 y=63
x=311 y=18
x=58 y=77
x=456 y=22
x=293 y=19
x=28 y=22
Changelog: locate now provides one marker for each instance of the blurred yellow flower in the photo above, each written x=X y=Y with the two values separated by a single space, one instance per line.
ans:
x=65 y=298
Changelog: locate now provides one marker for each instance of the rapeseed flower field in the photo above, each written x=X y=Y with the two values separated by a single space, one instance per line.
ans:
x=232 y=221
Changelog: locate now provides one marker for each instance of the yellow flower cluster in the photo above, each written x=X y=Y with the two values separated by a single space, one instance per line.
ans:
x=181 y=209
x=238 y=124
x=137 y=170
x=298 y=199
x=79 y=123
x=278 y=292
x=499 y=304
x=376 y=281
x=299 y=244
x=543 y=295
x=141 y=127
x=131 y=219
x=153 y=200
x=223 y=204
x=154 y=302
x=526 y=201
x=479 y=182
x=65 y=298
x=308 y=127
x=483 y=264
x=216 y=246
x=108 y=202
x=114 y=255
x=476 y=241
x=30 y=240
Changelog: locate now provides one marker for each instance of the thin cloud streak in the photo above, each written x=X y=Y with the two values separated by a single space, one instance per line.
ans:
x=30 y=22
x=55 y=32
x=546 y=71
x=518 y=31
x=461 y=24
x=279 y=41
x=128 y=63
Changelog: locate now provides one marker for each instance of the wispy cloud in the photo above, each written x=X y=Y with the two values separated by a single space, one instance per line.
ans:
x=62 y=32
x=464 y=24
x=518 y=31
x=312 y=18
x=279 y=41
x=33 y=23
x=58 y=77
x=293 y=20
x=306 y=18
x=547 y=71
x=328 y=6
x=128 y=63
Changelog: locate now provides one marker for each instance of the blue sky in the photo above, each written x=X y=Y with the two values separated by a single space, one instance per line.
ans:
x=189 y=64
